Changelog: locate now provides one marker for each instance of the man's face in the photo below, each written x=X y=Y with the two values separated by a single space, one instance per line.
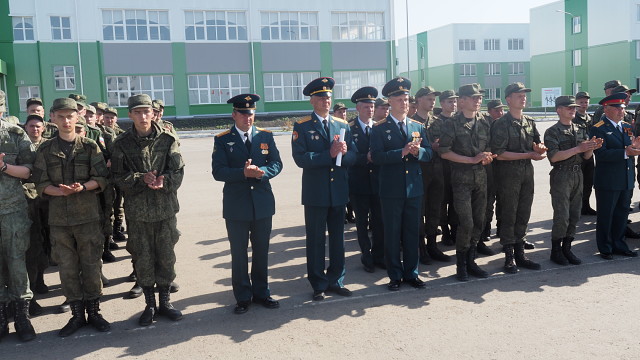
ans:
x=35 y=109
x=365 y=110
x=413 y=108
x=110 y=119
x=65 y=120
x=34 y=129
x=99 y=116
x=584 y=104
x=160 y=114
x=81 y=110
x=142 y=118
x=615 y=113
x=381 y=112
x=628 y=99
x=517 y=101
x=566 y=112
x=426 y=103
x=341 y=113
x=399 y=105
x=90 y=118
x=470 y=103
x=449 y=105
x=320 y=104
x=496 y=113
x=243 y=121
x=80 y=131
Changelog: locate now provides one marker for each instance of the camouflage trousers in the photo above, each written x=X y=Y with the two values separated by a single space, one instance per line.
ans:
x=151 y=245
x=37 y=257
x=470 y=201
x=514 y=192
x=78 y=252
x=566 y=199
x=433 y=183
x=107 y=197
x=14 y=242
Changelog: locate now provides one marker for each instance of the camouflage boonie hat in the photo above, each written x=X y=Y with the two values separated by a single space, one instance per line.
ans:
x=448 y=94
x=111 y=110
x=139 y=101
x=470 y=90
x=516 y=87
x=3 y=99
x=100 y=105
x=64 y=104
x=80 y=99
x=34 y=100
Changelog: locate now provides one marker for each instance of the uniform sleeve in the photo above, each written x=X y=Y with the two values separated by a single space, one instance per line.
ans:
x=39 y=175
x=307 y=159
x=220 y=167
x=349 y=159
x=99 y=171
x=536 y=134
x=426 y=153
x=552 y=142
x=274 y=163
x=605 y=154
x=447 y=137
x=123 y=174
x=499 y=139
x=26 y=156
x=174 y=169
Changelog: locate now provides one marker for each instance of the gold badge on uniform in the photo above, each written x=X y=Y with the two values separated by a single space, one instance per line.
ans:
x=265 y=148
x=415 y=135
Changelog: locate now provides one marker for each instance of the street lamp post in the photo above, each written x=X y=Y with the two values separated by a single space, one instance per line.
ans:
x=420 y=59
x=573 y=50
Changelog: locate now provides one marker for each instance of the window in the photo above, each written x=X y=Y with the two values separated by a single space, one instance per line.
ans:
x=638 y=12
x=215 y=25
x=577 y=87
x=492 y=93
x=577 y=24
x=135 y=25
x=467 y=45
x=357 y=25
x=120 y=88
x=25 y=93
x=60 y=27
x=468 y=70
x=294 y=25
x=22 y=28
x=492 y=44
x=64 y=77
x=516 y=44
x=637 y=49
x=492 y=69
x=347 y=82
x=286 y=86
x=516 y=68
x=216 y=89
x=577 y=57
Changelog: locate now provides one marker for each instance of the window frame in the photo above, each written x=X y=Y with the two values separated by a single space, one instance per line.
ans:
x=493 y=69
x=466 y=45
x=231 y=90
x=473 y=70
x=312 y=30
x=515 y=44
x=167 y=94
x=30 y=94
x=145 y=28
x=492 y=44
x=492 y=93
x=576 y=57
x=304 y=78
x=24 y=29
x=514 y=68
x=64 y=77
x=348 y=81
x=207 y=29
x=61 y=28
x=369 y=31
x=576 y=27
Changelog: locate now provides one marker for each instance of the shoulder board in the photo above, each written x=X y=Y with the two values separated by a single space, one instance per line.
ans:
x=339 y=119
x=626 y=122
x=352 y=123
x=416 y=121
x=223 y=133
x=600 y=123
x=261 y=129
x=303 y=120
x=380 y=122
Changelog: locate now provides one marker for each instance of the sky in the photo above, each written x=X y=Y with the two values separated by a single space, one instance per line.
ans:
x=431 y=14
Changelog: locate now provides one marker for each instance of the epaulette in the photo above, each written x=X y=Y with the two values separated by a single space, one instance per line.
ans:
x=261 y=129
x=599 y=123
x=380 y=122
x=416 y=121
x=224 y=133
x=303 y=120
x=352 y=123
x=339 y=119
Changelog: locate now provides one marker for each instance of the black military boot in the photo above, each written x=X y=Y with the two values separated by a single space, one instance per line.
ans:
x=424 y=257
x=23 y=326
x=149 y=313
x=118 y=235
x=34 y=308
x=4 y=320
x=483 y=249
x=509 y=260
x=135 y=291
x=64 y=307
x=77 y=320
x=112 y=244
x=94 y=317
x=473 y=268
x=434 y=252
x=166 y=309
x=446 y=239
x=107 y=256
x=461 y=266
x=556 y=253
x=566 y=251
x=40 y=287
x=486 y=233
x=454 y=233
x=521 y=259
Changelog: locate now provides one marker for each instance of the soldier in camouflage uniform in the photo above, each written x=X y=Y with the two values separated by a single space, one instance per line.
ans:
x=158 y=109
x=16 y=161
x=70 y=170
x=35 y=107
x=464 y=141
x=608 y=90
x=568 y=145
x=516 y=141
x=148 y=168
x=583 y=119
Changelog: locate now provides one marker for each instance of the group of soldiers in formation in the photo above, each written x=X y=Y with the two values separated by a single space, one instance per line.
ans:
x=407 y=170
x=63 y=184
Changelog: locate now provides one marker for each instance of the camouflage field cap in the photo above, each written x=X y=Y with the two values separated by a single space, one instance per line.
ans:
x=3 y=99
x=582 y=94
x=34 y=100
x=566 y=100
x=381 y=102
x=80 y=99
x=611 y=84
x=139 y=101
x=426 y=90
x=623 y=88
x=516 y=87
x=470 y=90
x=448 y=94
x=493 y=104
x=111 y=110
x=91 y=109
x=339 y=106
x=64 y=104
x=100 y=105
x=159 y=103
x=34 y=117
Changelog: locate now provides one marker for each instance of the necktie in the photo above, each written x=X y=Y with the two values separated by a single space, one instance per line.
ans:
x=366 y=130
x=247 y=142
x=325 y=124
x=401 y=126
x=619 y=127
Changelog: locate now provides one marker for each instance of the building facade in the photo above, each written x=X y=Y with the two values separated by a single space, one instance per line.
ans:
x=193 y=54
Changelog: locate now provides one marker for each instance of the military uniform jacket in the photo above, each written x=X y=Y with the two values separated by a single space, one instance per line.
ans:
x=513 y=135
x=400 y=177
x=243 y=198
x=560 y=137
x=28 y=187
x=323 y=183
x=52 y=167
x=363 y=175
x=133 y=156
x=16 y=146
x=466 y=137
x=613 y=172
x=583 y=121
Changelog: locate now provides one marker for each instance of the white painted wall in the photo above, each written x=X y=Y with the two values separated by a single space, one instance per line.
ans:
x=547 y=29
x=608 y=24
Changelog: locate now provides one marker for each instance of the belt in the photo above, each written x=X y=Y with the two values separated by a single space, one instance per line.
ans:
x=515 y=162
x=455 y=165
x=572 y=168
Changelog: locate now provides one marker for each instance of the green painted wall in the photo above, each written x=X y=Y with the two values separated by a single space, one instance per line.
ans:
x=600 y=58
x=180 y=81
x=548 y=70
x=443 y=77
